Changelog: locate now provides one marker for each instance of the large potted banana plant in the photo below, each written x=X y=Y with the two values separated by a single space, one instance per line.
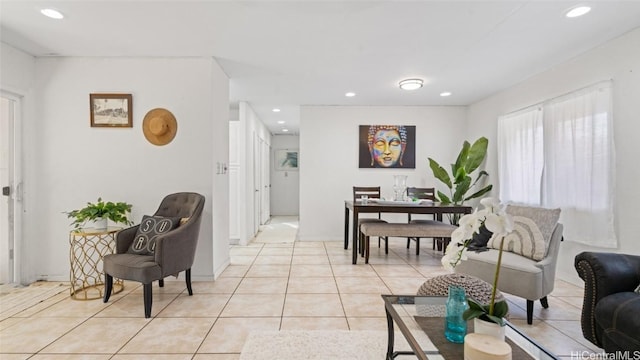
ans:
x=461 y=181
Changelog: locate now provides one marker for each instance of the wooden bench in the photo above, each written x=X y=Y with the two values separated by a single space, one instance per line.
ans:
x=426 y=228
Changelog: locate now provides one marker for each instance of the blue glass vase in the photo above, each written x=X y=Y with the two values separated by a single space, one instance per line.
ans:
x=455 y=326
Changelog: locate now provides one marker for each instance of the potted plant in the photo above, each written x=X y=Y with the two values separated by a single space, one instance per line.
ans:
x=99 y=213
x=496 y=220
x=460 y=181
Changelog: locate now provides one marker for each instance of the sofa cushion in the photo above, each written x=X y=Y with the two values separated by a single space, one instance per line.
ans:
x=150 y=228
x=132 y=267
x=616 y=315
x=532 y=229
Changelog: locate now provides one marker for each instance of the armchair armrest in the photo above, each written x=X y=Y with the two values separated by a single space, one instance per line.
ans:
x=175 y=250
x=124 y=238
x=608 y=273
x=604 y=274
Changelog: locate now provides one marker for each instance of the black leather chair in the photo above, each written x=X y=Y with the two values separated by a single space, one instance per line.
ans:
x=611 y=308
x=174 y=252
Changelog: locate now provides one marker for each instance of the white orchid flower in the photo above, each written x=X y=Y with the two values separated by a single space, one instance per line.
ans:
x=447 y=263
x=499 y=224
x=491 y=204
x=493 y=217
x=458 y=236
x=463 y=254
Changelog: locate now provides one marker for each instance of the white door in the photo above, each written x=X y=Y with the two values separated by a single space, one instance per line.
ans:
x=266 y=184
x=257 y=183
x=10 y=182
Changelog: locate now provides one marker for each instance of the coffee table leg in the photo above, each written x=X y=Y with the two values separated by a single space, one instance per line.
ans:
x=390 y=336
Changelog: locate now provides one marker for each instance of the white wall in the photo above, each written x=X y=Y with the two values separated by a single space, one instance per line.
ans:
x=255 y=132
x=329 y=158
x=618 y=60
x=68 y=163
x=219 y=137
x=285 y=185
x=17 y=76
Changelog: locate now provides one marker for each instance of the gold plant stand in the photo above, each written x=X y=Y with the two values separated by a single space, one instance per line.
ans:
x=88 y=247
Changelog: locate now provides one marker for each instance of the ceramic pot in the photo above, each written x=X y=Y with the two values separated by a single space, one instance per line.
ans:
x=488 y=328
x=100 y=224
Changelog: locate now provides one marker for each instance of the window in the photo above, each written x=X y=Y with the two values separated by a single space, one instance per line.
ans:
x=520 y=140
x=561 y=154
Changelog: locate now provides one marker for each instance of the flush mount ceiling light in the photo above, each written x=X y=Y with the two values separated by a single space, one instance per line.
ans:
x=285 y=130
x=275 y=110
x=577 y=11
x=410 y=84
x=350 y=94
x=52 y=13
x=281 y=122
x=445 y=93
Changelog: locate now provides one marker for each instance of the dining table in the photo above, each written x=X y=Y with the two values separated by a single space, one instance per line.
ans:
x=402 y=207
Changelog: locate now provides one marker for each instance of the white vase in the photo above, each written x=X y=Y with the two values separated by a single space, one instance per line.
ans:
x=100 y=223
x=488 y=328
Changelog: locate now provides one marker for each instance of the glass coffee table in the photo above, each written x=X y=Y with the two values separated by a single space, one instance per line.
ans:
x=420 y=319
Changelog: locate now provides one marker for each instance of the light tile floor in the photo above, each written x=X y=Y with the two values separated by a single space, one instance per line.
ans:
x=273 y=283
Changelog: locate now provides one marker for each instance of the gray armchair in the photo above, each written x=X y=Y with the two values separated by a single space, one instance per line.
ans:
x=519 y=275
x=174 y=250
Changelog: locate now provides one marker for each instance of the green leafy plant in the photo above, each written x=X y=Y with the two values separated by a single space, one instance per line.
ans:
x=484 y=312
x=116 y=212
x=459 y=181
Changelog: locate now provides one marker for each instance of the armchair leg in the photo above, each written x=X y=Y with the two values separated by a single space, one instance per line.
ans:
x=408 y=242
x=417 y=246
x=187 y=276
x=108 y=285
x=148 y=299
x=386 y=244
x=529 y=312
x=544 y=302
x=161 y=282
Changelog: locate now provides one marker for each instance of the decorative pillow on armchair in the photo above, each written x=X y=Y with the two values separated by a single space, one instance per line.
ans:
x=532 y=230
x=150 y=228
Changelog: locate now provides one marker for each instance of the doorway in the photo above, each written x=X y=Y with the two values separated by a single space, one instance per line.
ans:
x=10 y=201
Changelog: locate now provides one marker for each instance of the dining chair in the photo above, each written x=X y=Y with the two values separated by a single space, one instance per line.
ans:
x=372 y=192
x=422 y=194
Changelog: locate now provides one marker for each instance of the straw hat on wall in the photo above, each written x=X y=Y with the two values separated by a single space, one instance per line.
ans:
x=159 y=126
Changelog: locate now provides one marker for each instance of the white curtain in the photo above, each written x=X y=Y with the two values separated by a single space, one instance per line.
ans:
x=561 y=154
x=521 y=156
x=579 y=164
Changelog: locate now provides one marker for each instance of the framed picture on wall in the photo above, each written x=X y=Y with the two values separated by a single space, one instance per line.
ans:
x=111 y=110
x=286 y=159
x=387 y=146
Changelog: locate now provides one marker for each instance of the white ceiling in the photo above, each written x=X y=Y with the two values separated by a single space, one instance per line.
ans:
x=290 y=53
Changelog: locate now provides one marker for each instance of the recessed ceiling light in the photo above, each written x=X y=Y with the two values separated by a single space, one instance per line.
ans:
x=577 y=11
x=285 y=130
x=445 y=93
x=410 y=84
x=52 y=13
x=350 y=94
x=275 y=110
x=281 y=122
